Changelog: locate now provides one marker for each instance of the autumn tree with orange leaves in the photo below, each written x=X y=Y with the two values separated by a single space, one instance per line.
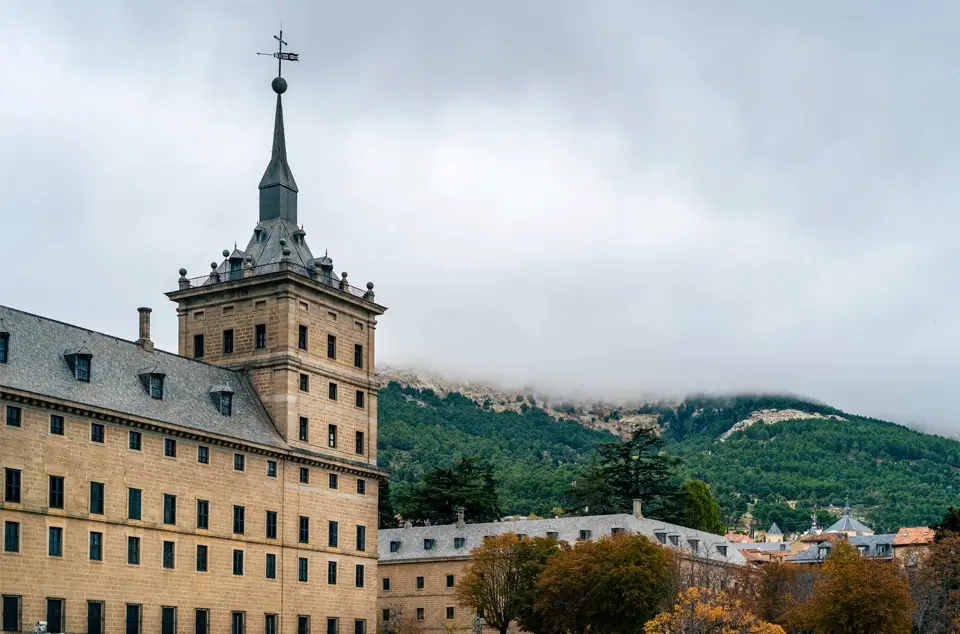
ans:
x=702 y=611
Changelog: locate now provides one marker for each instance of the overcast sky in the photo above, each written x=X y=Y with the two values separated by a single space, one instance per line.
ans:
x=604 y=199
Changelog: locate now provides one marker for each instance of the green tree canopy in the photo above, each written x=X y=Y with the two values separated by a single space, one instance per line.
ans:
x=435 y=499
x=698 y=508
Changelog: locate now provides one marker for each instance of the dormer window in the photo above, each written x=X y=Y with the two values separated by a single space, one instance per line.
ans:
x=694 y=544
x=153 y=383
x=553 y=535
x=394 y=546
x=80 y=362
x=586 y=534
x=428 y=544
x=722 y=550
x=222 y=397
x=616 y=530
x=822 y=552
x=675 y=540
x=661 y=536
x=4 y=346
x=458 y=542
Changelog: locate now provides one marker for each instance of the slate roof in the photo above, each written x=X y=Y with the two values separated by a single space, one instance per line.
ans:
x=847 y=523
x=567 y=529
x=774 y=530
x=869 y=543
x=36 y=364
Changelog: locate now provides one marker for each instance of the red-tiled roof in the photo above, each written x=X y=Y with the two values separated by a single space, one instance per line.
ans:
x=913 y=536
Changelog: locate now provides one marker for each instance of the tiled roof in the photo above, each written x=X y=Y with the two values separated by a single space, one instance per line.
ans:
x=737 y=538
x=36 y=364
x=412 y=539
x=913 y=536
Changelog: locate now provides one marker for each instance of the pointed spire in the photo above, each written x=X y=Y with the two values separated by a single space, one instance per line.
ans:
x=846 y=507
x=278 y=189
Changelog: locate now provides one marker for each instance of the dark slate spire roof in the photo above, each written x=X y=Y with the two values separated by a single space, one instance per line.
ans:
x=278 y=189
x=774 y=530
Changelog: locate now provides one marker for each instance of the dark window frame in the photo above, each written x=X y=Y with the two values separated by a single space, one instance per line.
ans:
x=203 y=558
x=11 y=537
x=203 y=454
x=57 y=488
x=57 y=425
x=228 y=341
x=201 y=625
x=4 y=347
x=135 y=441
x=12 y=485
x=332 y=436
x=14 y=622
x=303 y=569
x=133 y=550
x=360 y=444
x=361 y=399
x=333 y=481
x=169 y=448
x=271 y=468
x=14 y=416
x=270 y=566
x=169 y=509
x=239 y=462
x=271 y=525
x=303 y=337
x=97 y=498
x=95 y=542
x=260 y=336
x=332 y=391
x=198 y=346
x=238 y=562
x=333 y=534
x=304 y=431
x=239 y=519
x=55 y=544
x=360 y=575
x=303 y=533
x=100 y=628
x=168 y=619
x=304 y=475
x=361 y=486
x=203 y=514
x=332 y=347
x=331 y=573
x=98 y=433
x=169 y=555
x=361 y=538
x=358 y=356
x=304 y=382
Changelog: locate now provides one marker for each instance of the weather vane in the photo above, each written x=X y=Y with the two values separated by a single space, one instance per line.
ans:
x=280 y=55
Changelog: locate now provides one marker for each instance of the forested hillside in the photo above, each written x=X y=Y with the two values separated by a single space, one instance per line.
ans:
x=893 y=475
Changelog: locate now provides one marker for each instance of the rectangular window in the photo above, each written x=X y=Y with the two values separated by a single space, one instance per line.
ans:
x=134 y=624
x=96 y=498
x=302 y=337
x=420 y=615
x=156 y=386
x=96 y=432
x=133 y=550
x=95 y=617
x=260 y=336
x=331 y=347
x=198 y=346
x=269 y=624
x=304 y=428
x=203 y=514
x=361 y=445
x=361 y=398
x=271 y=468
x=238 y=513
x=238 y=562
x=586 y=534
x=11 y=537
x=458 y=542
x=169 y=447
x=168 y=620
x=394 y=546
x=55 y=541
x=361 y=486
x=96 y=546
x=332 y=436
x=4 y=346
x=169 y=509
x=203 y=454
x=82 y=368
x=332 y=534
x=359 y=575
x=56 y=492
x=226 y=403
x=304 y=475
x=271 y=572
x=238 y=622
x=135 y=440
x=304 y=534
x=239 y=462
x=11 y=485
x=56 y=425
x=359 y=627
x=420 y=583
x=271 y=524
x=303 y=624
x=332 y=391
x=228 y=341
x=358 y=356
x=169 y=555
x=333 y=625
x=450 y=580
x=385 y=614
x=201 y=558
x=331 y=573
x=334 y=481
x=201 y=621
x=11 y=613
x=303 y=571
x=386 y=584
x=14 y=416
x=304 y=383
x=361 y=538
x=449 y=612
x=55 y=614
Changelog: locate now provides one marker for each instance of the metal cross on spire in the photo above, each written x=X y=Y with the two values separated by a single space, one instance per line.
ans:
x=280 y=55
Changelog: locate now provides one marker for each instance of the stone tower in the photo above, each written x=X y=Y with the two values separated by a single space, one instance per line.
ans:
x=303 y=333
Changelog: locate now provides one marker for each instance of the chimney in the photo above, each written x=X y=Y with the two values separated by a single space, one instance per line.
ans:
x=144 y=340
x=636 y=509
x=460 y=522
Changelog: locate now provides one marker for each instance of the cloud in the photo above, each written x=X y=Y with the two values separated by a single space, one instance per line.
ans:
x=609 y=198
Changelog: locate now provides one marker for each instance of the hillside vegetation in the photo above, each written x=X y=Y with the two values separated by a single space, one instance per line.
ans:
x=893 y=475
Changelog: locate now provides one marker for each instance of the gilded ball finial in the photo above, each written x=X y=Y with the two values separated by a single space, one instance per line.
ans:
x=279 y=85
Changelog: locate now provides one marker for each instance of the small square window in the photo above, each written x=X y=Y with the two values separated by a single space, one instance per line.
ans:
x=96 y=432
x=334 y=481
x=428 y=544
x=304 y=475
x=135 y=441
x=332 y=391
x=394 y=546
x=198 y=346
x=260 y=336
x=361 y=398
x=271 y=468
x=56 y=425
x=361 y=486
x=458 y=542
x=304 y=383
x=203 y=454
x=227 y=341
x=239 y=462
x=169 y=447
x=304 y=428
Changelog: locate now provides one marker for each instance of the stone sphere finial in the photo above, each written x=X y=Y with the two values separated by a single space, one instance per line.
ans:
x=283 y=242
x=369 y=286
x=183 y=272
x=279 y=85
x=226 y=252
x=286 y=251
x=213 y=265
